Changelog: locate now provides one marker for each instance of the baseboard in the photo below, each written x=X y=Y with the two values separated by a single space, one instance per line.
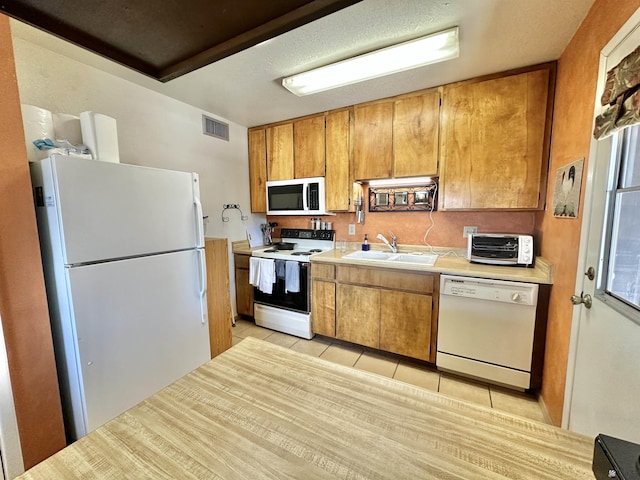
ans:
x=545 y=411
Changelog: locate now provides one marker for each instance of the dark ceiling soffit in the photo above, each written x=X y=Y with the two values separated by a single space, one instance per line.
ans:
x=74 y=34
x=294 y=19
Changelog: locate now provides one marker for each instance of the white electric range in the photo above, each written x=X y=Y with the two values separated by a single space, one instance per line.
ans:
x=284 y=309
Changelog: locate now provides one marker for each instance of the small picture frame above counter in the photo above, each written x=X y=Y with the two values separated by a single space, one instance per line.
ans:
x=404 y=198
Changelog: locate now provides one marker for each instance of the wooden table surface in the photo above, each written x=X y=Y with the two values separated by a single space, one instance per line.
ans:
x=259 y=411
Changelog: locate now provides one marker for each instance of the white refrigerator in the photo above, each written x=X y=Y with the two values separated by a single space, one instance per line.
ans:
x=122 y=248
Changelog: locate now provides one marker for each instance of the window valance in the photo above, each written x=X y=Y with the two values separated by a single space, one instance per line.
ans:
x=622 y=94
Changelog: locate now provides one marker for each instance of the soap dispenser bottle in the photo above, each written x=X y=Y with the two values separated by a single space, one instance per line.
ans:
x=365 y=243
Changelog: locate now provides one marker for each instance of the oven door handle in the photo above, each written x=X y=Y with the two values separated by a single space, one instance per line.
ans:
x=305 y=197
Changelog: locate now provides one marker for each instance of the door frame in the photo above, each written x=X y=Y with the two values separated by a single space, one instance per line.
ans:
x=591 y=207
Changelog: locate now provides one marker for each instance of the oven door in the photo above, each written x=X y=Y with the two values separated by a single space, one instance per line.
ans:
x=280 y=298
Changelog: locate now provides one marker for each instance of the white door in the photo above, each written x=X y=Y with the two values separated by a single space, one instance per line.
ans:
x=112 y=210
x=603 y=377
x=140 y=325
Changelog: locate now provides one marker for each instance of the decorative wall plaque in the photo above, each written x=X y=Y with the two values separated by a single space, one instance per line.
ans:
x=566 y=196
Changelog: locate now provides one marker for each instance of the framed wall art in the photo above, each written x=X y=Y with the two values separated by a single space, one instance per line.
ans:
x=566 y=196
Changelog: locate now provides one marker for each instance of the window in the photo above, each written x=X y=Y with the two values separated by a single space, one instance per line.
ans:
x=622 y=235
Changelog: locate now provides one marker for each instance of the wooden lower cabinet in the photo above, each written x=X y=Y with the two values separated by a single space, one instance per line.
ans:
x=244 y=290
x=391 y=310
x=405 y=323
x=358 y=314
x=323 y=307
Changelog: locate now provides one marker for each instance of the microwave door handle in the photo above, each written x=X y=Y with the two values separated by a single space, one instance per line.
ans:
x=305 y=197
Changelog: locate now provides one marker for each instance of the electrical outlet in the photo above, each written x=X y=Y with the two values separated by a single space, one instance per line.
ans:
x=467 y=230
x=230 y=205
x=352 y=229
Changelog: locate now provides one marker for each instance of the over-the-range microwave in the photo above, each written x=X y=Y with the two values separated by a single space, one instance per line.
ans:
x=301 y=196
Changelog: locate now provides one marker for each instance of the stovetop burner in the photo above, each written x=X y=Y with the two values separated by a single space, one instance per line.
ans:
x=304 y=243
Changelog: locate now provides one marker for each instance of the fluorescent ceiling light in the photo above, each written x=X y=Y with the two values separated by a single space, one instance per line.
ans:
x=433 y=48
x=388 y=182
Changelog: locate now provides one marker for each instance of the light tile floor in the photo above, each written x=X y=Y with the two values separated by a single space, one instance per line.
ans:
x=393 y=366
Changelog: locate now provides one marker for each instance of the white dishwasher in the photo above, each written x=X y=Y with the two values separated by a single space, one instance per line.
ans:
x=486 y=329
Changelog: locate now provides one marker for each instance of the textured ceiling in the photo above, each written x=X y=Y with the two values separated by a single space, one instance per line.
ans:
x=495 y=35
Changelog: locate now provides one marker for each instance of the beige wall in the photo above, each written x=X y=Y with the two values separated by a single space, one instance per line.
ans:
x=153 y=130
x=572 y=127
x=23 y=306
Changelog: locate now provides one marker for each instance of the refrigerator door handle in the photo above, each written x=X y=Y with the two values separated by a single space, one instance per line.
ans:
x=198 y=211
x=202 y=272
x=199 y=224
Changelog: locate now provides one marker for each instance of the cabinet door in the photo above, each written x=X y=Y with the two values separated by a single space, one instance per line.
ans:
x=405 y=323
x=218 y=302
x=494 y=147
x=337 y=179
x=258 y=170
x=416 y=122
x=280 y=152
x=373 y=141
x=244 y=290
x=323 y=308
x=358 y=315
x=308 y=147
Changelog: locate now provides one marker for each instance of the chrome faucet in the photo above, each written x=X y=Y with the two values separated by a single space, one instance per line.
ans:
x=394 y=241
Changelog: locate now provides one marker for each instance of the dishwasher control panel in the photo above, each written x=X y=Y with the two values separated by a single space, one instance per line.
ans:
x=492 y=290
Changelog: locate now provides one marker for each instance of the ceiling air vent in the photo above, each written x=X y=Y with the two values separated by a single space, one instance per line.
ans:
x=215 y=128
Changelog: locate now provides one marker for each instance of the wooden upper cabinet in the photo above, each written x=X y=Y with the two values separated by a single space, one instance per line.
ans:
x=373 y=141
x=257 y=170
x=280 y=152
x=337 y=179
x=308 y=147
x=416 y=123
x=495 y=141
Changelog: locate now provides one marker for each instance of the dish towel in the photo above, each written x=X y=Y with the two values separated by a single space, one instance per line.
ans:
x=262 y=274
x=292 y=277
x=254 y=271
x=280 y=269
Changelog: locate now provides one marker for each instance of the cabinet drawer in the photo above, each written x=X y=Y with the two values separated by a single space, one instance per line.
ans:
x=397 y=280
x=241 y=261
x=321 y=270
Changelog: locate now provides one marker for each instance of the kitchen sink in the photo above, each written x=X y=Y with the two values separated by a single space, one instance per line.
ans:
x=369 y=255
x=426 y=259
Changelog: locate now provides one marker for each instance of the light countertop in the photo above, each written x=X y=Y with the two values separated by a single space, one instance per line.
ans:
x=447 y=263
x=264 y=412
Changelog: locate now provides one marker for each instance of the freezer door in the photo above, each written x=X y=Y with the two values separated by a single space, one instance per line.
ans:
x=140 y=324
x=102 y=210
